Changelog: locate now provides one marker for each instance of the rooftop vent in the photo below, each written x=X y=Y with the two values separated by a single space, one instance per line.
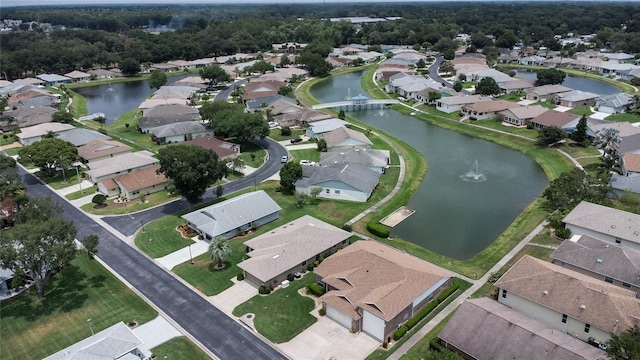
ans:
x=613 y=226
x=583 y=307
x=275 y=256
x=599 y=261
x=545 y=292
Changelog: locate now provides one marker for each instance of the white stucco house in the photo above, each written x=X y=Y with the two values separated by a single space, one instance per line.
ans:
x=350 y=181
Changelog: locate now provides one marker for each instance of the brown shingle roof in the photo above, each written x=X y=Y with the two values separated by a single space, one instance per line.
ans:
x=140 y=179
x=632 y=162
x=98 y=148
x=554 y=118
x=377 y=278
x=491 y=106
x=222 y=148
x=341 y=134
x=568 y=292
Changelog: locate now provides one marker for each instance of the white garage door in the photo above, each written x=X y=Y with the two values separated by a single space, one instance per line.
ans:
x=338 y=316
x=373 y=325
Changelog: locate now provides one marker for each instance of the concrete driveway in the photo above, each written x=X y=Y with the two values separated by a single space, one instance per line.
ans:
x=155 y=332
x=326 y=339
x=240 y=292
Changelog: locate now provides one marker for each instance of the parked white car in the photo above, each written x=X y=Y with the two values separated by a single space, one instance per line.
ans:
x=307 y=163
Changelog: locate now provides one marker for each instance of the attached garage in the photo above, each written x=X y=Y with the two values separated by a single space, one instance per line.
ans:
x=373 y=325
x=338 y=316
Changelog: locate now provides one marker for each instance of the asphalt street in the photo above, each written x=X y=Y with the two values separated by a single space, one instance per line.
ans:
x=223 y=336
x=433 y=74
x=130 y=223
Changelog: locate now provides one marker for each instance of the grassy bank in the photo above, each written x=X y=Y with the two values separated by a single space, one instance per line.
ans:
x=33 y=329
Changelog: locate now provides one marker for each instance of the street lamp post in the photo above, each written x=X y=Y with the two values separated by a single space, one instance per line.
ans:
x=90 y=327
x=190 y=256
x=79 y=181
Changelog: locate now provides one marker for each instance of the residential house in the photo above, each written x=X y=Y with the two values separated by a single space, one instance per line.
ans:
x=620 y=57
x=630 y=163
x=114 y=342
x=614 y=264
x=375 y=288
x=141 y=182
x=625 y=128
x=121 y=164
x=533 y=60
x=26 y=117
x=487 y=109
x=623 y=184
x=496 y=75
x=32 y=134
x=166 y=67
x=455 y=103
x=183 y=91
x=424 y=95
x=583 y=307
x=157 y=101
x=409 y=85
x=575 y=98
x=344 y=138
x=29 y=81
x=81 y=137
x=546 y=92
x=352 y=182
x=269 y=103
x=256 y=89
x=521 y=116
x=179 y=132
x=234 y=216
x=301 y=117
x=53 y=79
x=224 y=149
x=166 y=114
x=77 y=76
x=289 y=249
x=182 y=64
x=486 y=329
x=614 y=104
x=604 y=223
x=102 y=73
x=375 y=160
x=553 y=118
x=99 y=149
x=290 y=48
x=319 y=128
x=515 y=85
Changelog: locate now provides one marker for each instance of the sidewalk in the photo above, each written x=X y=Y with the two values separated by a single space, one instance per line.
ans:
x=73 y=188
x=185 y=254
x=460 y=299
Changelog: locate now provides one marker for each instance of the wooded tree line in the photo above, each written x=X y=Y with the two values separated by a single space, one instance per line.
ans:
x=103 y=36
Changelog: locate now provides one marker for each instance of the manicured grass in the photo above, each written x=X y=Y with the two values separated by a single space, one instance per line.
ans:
x=306 y=154
x=497 y=125
x=129 y=135
x=421 y=347
x=275 y=134
x=246 y=150
x=112 y=208
x=32 y=328
x=487 y=290
x=79 y=104
x=161 y=238
x=13 y=151
x=582 y=110
x=628 y=117
x=202 y=275
x=546 y=104
x=82 y=193
x=59 y=181
x=284 y=313
x=532 y=250
x=545 y=238
x=179 y=348
x=514 y=96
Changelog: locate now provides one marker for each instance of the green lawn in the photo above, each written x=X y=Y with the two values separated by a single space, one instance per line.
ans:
x=161 y=238
x=32 y=328
x=546 y=104
x=82 y=193
x=582 y=110
x=202 y=275
x=497 y=125
x=134 y=205
x=628 y=117
x=246 y=150
x=284 y=313
x=275 y=134
x=545 y=238
x=306 y=154
x=61 y=180
x=179 y=348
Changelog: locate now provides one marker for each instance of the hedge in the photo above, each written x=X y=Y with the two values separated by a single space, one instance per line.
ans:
x=445 y=294
x=400 y=332
x=421 y=315
x=378 y=229
x=315 y=289
x=264 y=290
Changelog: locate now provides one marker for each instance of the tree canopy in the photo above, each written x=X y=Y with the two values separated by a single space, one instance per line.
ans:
x=130 y=67
x=219 y=250
x=580 y=135
x=487 y=86
x=231 y=121
x=10 y=179
x=41 y=245
x=48 y=154
x=191 y=169
x=157 y=79
x=289 y=174
x=625 y=346
x=550 y=76
x=550 y=135
x=574 y=186
x=214 y=74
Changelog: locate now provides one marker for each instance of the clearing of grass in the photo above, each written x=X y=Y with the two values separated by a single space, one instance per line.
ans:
x=284 y=313
x=204 y=277
x=131 y=206
x=295 y=133
x=82 y=193
x=33 y=329
x=305 y=154
x=161 y=238
x=179 y=348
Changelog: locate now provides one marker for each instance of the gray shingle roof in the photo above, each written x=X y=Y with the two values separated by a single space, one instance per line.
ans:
x=289 y=245
x=355 y=175
x=367 y=157
x=181 y=128
x=485 y=329
x=618 y=262
x=121 y=163
x=230 y=214
x=605 y=220
x=108 y=344
x=338 y=136
x=80 y=137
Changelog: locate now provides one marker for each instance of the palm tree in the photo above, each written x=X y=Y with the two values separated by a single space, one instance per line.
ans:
x=634 y=102
x=607 y=139
x=219 y=250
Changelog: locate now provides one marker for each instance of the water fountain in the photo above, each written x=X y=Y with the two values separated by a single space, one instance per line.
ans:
x=474 y=174
x=381 y=110
x=110 y=88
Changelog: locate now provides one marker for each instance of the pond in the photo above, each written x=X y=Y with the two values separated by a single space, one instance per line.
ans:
x=118 y=98
x=578 y=83
x=473 y=189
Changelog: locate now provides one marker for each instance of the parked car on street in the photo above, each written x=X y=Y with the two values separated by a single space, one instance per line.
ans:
x=284 y=159
x=295 y=140
x=307 y=163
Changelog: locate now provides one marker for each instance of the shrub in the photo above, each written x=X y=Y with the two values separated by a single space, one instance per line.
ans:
x=240 y=277
x=264 y=290
x=563 y=233
x=530 y=126
x=378 y=229
x=400 y=332
x=445 y=294
x=322 y=312
x=315 y=289
x=291 y=277
x=99 y=199
x=347 y=227
x=384 y=345
x=310 y=267
x=103 y=131
x=421 y=315
x=285 y=131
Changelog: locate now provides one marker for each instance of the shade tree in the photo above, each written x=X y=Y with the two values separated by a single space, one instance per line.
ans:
x=49 y=154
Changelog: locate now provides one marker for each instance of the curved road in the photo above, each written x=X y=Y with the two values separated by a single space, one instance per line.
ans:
x=433 y=74
x=130 y=223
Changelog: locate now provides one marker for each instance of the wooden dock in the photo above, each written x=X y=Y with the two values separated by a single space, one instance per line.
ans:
x=397 y=216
